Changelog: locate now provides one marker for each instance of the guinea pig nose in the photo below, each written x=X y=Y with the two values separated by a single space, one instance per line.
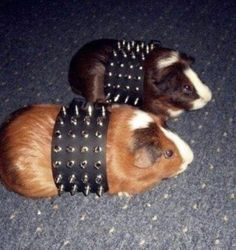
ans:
x=168 y=153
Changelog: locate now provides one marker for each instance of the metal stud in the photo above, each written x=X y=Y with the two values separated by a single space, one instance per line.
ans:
x=137 y=88
x=85 y=134
x=98 y=134
x=84 y=149
x=127 y=87
x=141 y=68
x=122 y=65
x=56 y=164
x=100 y=121
x=133 y=56
x=73 y=189
x=97 y=164
x=72 y=179
x=139 y=78
x=64 y=112
x=118 y=86
x=73 y=120
x=136 y=101
x=108 y=85
x=57 y=149
x=97 y=149
x=70 y=164
x=58 y=179
x=84 y=164
x=87 y=120
x=90 y=110
x=85 y=178
x=70 y=149
x=119 y=75
x=129 y=77
x=110 y=73
x=58 y=134
x=111 y=64
x=116 y=98
x=86 y=190
x=131 y=66
x=123 y=42
x=76 y=110
x=100 y=191
x=61 y=122
x=71 y=134
x=114 y=53
x=143 y=57
x=98 y=179
x=61 y=189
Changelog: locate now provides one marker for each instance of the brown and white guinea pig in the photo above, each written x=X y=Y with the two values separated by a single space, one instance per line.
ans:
x=140 y=151
x=170 y=85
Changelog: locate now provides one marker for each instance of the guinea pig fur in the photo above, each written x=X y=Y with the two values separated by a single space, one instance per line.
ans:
x=140 y=151
x=170 y=85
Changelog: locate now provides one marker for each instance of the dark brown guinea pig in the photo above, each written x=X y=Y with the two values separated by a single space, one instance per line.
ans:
x=140 y=151
x=169 y=85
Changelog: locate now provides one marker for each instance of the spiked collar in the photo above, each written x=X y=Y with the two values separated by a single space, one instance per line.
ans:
x=79 y=148
x=124 y=72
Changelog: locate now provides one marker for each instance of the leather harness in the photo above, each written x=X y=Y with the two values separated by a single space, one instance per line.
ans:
x=79 y=148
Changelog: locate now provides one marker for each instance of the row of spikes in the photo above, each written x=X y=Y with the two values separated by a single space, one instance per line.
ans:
x=131 y=66
x=71 y=149
x=133 y=45
x=129 y=77
x=118 y=96
x=73 y=135
x=86 y=190
x=131 y=54
x=84 y=179
x=83 y=164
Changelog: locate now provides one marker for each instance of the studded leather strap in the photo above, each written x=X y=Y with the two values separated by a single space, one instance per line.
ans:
x=124 y=72
x=79 y=148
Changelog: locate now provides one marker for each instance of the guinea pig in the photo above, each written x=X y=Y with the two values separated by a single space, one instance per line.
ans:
x=140 y=151
x=169 y=84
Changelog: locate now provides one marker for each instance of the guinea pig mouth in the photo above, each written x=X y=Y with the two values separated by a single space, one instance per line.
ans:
x=199 y=103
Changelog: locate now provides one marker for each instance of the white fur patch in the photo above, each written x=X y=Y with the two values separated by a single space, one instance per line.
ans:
x=202 y=90
x=165 y=62
x=185 y=151
x=175 y=113
x=140 y=119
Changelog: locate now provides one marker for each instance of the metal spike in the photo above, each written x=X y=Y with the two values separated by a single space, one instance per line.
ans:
x=136 y=101
x=133 y=56
x=142 y=45
x=76 y=110
x=64 y=112
x=103 y=111
x=61 y=121
x=74 y=189
x=70 y=164
x=85 y=134
x=86 y=190
x=61 y=189
x=98 y=179
x=97 y=149
x=98 y=134
x=70 y=149
x=58 y=134
x=73 y=120
x=143 y=57
x=128 y=46
x=87 y=120
x=56 y=164
x=72 y=179
x=57 y=149
x=90 y=110
x=84 y=164
x=58 y=179
x=124 y=54
x=100 y=121
x=126 y=99
x=85 y=178
x=116 y=98
x=147 y=49
x=97 y=164
x=84 y=149
x=100 y=191
x=132 y=43
x=108 y=95
x=119 y=44
x=123 y=42
x=71 y=134
x=137 y=48
x=114 y=53
x=152 y=46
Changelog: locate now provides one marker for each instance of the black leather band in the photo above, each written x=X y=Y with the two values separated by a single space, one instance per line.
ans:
x=123 y=81
x=79 y=148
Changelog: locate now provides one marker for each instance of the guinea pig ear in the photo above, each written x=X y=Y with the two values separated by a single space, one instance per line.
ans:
x=189 y=59
x=146 y=147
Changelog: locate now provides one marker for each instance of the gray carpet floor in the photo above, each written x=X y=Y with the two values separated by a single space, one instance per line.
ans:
x=197 y=210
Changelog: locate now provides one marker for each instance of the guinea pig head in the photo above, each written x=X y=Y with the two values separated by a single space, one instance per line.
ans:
x=147 y=153
x=172 y=84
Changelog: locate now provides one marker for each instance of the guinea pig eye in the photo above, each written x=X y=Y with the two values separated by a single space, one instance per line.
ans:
x=187 y=89
x=168 y=153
